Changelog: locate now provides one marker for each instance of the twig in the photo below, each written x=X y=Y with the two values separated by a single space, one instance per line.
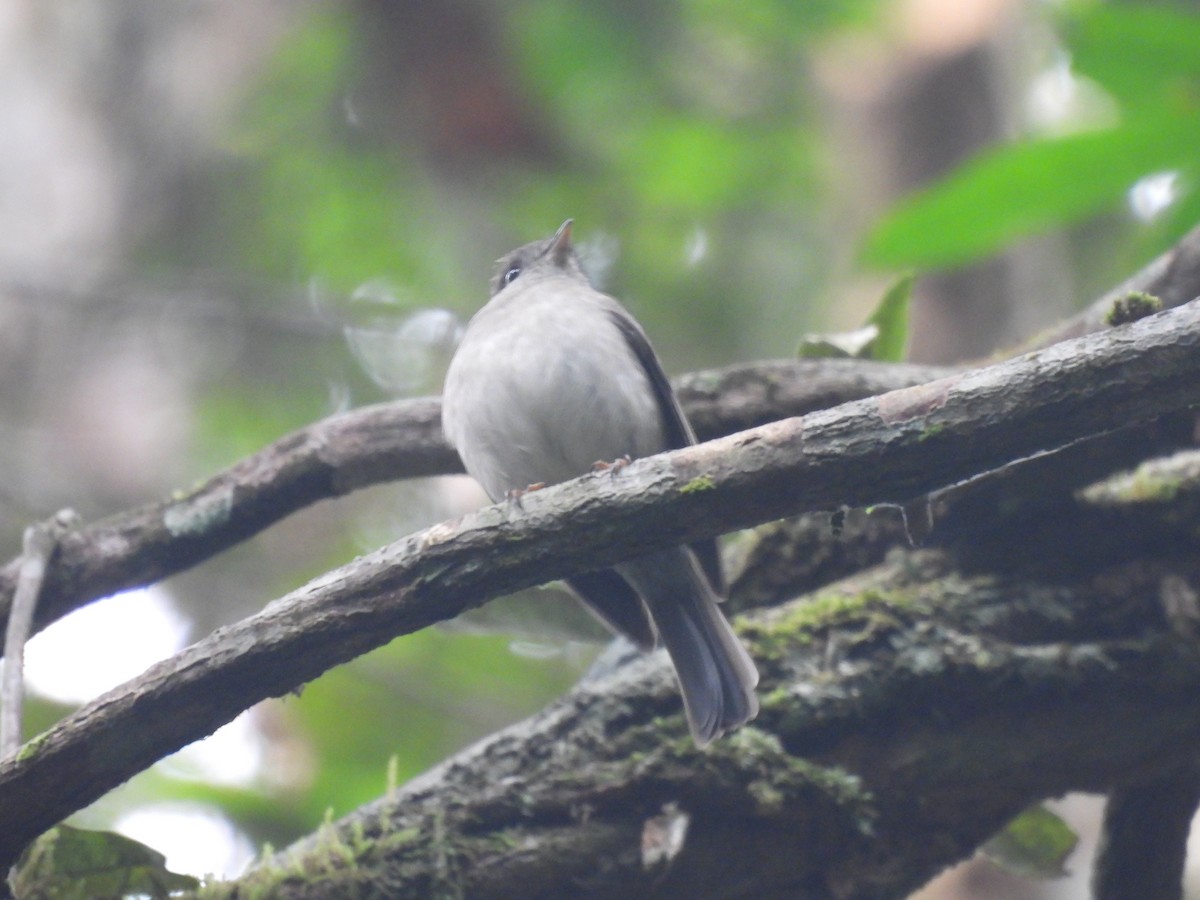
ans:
x=38 y=546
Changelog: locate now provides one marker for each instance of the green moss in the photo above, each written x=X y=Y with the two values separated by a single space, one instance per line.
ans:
x=31 y=748
x=778 y=699
x=1133 y=306
x=403 y=836
x=866 y=613
x=699 y=483
x=1156 y=481
x=776 y=780
x=260 y=884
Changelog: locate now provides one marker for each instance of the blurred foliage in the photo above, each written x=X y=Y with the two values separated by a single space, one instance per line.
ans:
x=884 y=337
x=684 y=128
x=1035 y=844
x=314 y=207
x=1144 y=57
x=244 y=421
x=692 y=137
x=448 y=689
x=890 y=319
x=69 y=863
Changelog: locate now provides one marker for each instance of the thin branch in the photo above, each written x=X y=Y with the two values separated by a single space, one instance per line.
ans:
x=376 y=444
x=38 y=546
x=881 y=449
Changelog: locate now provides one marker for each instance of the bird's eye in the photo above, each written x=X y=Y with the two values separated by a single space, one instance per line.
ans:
x=510 y=274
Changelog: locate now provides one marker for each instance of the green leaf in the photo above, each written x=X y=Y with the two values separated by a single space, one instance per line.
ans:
x=1142 y=55
x=69 y=863
x=1020 y=189
x=1035 y=844
x=883 y=337
x=891 y=318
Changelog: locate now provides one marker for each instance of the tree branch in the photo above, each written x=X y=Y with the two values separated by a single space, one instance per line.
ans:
x=895 y=446
x=403 y=440
x=377 y=444
x=1144 y=840
x=907 y=715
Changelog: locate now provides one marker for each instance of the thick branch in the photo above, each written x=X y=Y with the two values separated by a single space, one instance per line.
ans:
x=377 y=444
x=907 y=715
x=895 y=446
x=1144 y=844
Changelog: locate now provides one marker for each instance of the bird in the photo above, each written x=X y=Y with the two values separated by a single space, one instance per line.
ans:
x=554 y=377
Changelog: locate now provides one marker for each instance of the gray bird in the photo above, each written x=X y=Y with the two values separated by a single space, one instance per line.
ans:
x=553 y=376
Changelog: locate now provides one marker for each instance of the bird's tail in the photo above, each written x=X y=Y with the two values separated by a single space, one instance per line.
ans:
x=716 y=675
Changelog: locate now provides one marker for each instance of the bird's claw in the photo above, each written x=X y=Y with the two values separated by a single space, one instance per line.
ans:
x=612 y=467
x=514 y=495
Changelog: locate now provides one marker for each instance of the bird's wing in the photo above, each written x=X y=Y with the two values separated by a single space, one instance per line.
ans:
x=676 y=426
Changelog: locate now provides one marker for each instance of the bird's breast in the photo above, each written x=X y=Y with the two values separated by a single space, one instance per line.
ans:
x=543 y=394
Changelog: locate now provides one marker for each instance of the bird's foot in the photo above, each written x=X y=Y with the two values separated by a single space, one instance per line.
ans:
x=612 y=467
x=514 y=496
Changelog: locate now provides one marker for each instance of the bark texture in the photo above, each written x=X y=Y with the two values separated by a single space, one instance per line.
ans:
x=908 y=713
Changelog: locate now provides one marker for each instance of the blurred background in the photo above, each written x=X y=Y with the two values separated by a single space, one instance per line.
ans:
x=221 y=221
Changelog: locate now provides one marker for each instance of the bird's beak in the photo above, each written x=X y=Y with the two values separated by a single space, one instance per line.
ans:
x=560 y=244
